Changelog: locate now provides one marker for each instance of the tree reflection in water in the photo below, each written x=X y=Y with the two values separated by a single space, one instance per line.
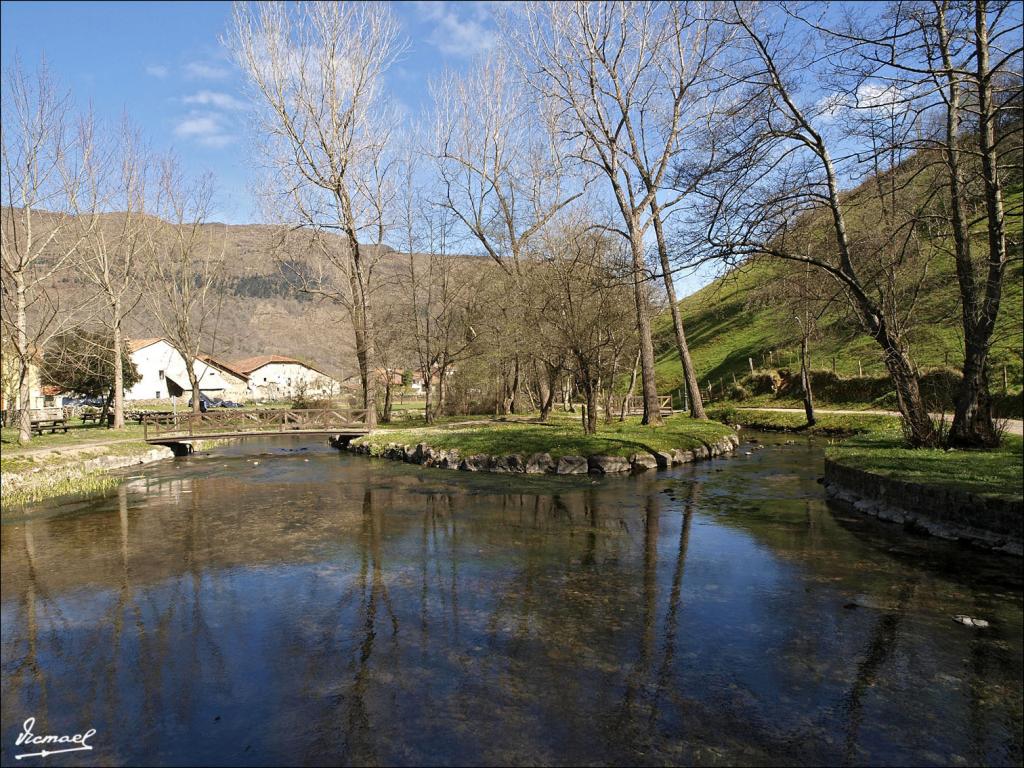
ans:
x=353 y=611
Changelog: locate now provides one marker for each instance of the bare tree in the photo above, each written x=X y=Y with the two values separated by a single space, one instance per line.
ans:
x=957 y=65
x=317 y=70
x=620 y=75
x=588 y=305
x=184 y=273
x=112 y=252
x=779 y=169
x=44 y=151
x=501 y=173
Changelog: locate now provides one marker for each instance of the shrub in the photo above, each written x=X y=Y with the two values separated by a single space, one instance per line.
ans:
x=738 y=392
x=726 y=414
x=763 y=382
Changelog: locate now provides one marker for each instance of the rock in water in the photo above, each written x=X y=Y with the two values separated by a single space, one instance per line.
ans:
x=572 y=465
x=967 y=621
x=607 y=465
x=539 y=463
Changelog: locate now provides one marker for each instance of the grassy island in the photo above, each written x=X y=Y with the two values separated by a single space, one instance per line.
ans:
x=874 y=443
x=561 y=436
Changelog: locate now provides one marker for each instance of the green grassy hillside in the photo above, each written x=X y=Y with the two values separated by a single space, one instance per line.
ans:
x=724 y=327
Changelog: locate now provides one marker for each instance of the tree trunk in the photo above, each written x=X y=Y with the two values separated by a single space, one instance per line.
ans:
x=632 y=386
x=106 y=406
x=24 y=365
x=118 y=372
x=362 y=318
x=442 y=374
x=547 y=401
x=589 y=415
x=972 y=418
x=652 y=412
x=193 y=380
x=386 y=415
x=696 y=402
x=514 y=390
x=805 y=382
x=428 y=412
x=917 y=422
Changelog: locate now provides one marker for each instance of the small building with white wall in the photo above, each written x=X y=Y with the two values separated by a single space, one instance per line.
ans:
x=163 y=373
x=272 y=377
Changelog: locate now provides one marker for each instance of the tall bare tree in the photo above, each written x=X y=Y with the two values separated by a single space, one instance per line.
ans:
x=502 y=174
x=620 y=75
x=780 y=169
x=317 y=71
x=184 y=272
x=45 y=148
x=955 y=68
x=112 y=251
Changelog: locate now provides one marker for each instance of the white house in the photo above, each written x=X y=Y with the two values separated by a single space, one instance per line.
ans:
x=273 y=376
x=163 y=373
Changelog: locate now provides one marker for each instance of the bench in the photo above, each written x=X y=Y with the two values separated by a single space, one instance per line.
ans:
x=91 y=417
x=48 y=419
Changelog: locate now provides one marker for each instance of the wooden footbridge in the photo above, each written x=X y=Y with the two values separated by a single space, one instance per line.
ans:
x=179 y=431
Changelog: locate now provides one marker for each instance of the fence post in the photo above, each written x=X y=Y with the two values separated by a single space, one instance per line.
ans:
x=750 y=360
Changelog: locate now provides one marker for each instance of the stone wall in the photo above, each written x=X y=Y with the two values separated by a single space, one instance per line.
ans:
x=543 y=463
x=993 y=523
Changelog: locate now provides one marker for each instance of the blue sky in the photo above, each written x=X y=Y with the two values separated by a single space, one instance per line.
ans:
x=162 y=63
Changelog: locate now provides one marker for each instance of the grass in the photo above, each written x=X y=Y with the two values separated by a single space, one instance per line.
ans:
x=724 y=330
x=562 y=436
x=77 y=435
x=827 y=424
x=985 y=473
x=63 y=481
x=874 y=443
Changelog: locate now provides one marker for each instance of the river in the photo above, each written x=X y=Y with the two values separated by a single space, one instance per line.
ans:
x=281 y=602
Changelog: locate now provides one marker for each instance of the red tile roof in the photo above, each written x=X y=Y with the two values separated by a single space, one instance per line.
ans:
x=134 y=345
x=250 y=364
x=232 y=369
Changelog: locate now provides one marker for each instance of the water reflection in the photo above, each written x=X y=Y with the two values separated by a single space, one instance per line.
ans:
x=317 y=608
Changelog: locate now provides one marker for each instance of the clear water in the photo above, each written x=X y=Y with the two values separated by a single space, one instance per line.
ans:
x=320 y=608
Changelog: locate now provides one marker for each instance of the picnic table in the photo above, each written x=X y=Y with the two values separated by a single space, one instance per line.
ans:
x=48 y=419
x=91 y=417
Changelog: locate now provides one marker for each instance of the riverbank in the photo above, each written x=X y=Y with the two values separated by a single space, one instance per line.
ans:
x=556 y=447
x=35 y=478
x=975 y=496
x=76 y=462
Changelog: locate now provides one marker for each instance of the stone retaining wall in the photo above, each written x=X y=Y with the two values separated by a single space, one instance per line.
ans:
x=542 y=463
x=992 y=523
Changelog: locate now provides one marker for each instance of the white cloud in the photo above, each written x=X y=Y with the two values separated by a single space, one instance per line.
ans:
x=215 y=99
x=206 y=129
x=455 y=32
x=200 y=70
x=157 y=70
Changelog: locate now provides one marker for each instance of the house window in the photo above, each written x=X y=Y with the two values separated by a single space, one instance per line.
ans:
x=161 y=375
x=158 y=394
x=264 y=379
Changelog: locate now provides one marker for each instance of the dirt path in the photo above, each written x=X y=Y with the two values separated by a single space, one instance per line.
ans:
x=1013 y=426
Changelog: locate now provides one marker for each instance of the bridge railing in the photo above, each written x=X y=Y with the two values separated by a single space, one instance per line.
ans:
x=225 y=421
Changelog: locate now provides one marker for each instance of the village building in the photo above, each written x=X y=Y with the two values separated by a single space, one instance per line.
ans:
x=274 y=377
x=39 y=395
x=163 y=373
